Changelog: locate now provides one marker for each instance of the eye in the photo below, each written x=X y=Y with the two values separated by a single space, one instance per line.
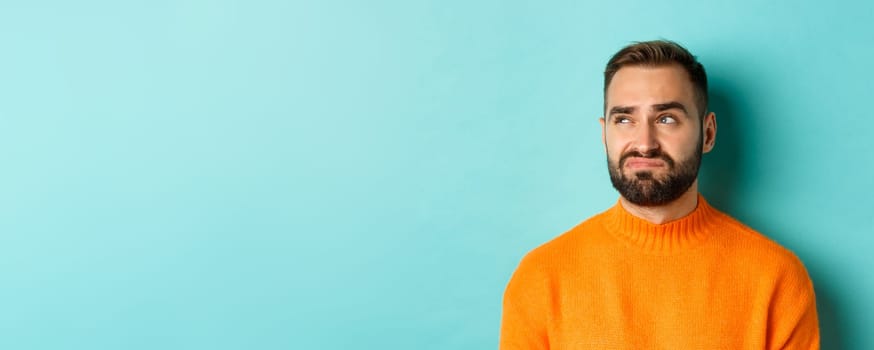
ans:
x=621 y=120
x=667 y=119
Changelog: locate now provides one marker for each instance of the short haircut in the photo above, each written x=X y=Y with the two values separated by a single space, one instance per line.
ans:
x=660 y=53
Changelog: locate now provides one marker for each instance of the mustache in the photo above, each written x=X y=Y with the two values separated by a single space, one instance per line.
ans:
x=654 y=154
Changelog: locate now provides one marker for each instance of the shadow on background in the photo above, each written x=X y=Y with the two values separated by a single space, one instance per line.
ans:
x=721 y=168
x=721 y=181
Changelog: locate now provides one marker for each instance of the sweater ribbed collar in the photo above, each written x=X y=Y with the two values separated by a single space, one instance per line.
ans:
x=670 y=237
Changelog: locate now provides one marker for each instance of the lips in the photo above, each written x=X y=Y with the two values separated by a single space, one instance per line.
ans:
x=642 y=163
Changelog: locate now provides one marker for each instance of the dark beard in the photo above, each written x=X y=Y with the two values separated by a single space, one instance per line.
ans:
x=644 y=189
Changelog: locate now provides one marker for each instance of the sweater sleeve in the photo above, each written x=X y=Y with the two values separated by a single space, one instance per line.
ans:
x=793 y=320
x=524 y=321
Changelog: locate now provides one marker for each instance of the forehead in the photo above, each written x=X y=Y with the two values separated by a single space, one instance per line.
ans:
x=646 y=85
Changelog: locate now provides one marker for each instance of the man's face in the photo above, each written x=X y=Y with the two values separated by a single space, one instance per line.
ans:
x=653 y=135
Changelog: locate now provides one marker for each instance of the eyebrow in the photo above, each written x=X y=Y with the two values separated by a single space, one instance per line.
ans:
x=669 y=105
x=622 y=110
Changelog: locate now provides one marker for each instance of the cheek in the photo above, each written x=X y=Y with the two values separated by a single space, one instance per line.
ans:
x=613 y=154
x=681 y=150
x=614 y=141
x=616 y=148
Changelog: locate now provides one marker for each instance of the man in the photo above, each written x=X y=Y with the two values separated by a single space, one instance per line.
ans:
x=661 y=269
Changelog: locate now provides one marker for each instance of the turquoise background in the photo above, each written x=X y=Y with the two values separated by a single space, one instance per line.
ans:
x=367 y=175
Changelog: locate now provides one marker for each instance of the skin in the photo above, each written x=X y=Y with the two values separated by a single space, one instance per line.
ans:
x=651 y=108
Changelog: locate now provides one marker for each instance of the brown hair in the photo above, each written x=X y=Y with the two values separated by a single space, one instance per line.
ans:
x=660 y=53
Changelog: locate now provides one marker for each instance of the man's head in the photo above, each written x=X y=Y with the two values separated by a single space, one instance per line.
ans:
x=656 y=125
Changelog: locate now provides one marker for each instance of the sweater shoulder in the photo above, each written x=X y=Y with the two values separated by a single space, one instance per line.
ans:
x=567 y=243
x=738 y=237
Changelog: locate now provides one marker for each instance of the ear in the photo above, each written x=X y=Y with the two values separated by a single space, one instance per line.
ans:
x=603 y=132
x=709 y=132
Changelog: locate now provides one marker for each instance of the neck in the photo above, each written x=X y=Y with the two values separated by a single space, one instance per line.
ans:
x=661 y=214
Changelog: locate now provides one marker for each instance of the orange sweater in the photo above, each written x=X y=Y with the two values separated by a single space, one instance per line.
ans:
x=704 y=281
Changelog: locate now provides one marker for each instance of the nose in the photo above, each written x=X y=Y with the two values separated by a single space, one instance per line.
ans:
x=646 y=140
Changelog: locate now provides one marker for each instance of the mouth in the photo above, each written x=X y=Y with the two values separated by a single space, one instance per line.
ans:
x=636 y=163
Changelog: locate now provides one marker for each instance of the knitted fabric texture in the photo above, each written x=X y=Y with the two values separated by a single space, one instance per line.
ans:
x=616 y=281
